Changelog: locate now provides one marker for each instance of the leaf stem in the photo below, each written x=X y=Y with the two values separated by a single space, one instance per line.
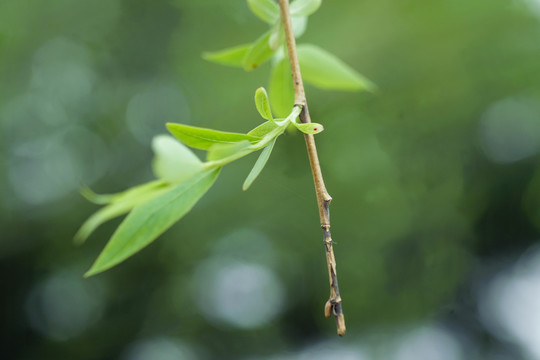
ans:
x=267 y=139
x=333 y=305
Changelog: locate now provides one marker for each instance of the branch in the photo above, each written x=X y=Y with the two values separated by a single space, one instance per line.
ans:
x=333 y=305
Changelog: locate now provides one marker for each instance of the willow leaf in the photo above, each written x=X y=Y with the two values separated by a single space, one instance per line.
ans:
x=202 y=138
x=120 y=205
x=173 y=161
x=259 y=165
x=147 y=221
x=258 y=53
x=231 y=57
x=266 y=10
x=281 y=88
x=326 y=71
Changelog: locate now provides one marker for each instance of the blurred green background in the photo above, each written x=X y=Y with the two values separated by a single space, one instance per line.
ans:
x=435 y=180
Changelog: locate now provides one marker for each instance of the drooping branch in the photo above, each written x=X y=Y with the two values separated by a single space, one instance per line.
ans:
x=333 y=305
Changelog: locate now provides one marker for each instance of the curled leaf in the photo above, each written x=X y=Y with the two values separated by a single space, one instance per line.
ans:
x=309 y=128
x=263 y=104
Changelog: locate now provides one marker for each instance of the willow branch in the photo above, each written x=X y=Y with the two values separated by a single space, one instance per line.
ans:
x=333 y=305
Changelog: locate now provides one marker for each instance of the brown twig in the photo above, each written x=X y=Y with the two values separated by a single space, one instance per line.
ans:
x=333 y=305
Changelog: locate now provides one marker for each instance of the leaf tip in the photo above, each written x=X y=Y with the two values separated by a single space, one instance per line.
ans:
x=88 y=274
x=318 y=128
x=94 y=270
x=78 y=239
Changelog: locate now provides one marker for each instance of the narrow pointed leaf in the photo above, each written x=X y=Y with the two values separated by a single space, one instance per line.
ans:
x=263 y=129
x=120 y=206
x=173 y=161
x=221 y=151
x=263 y=104
x=258 y=53
x=99 y=199
x=129 y=193
x=309 y=128
x=259 y=165
x=326 y=71
x=304 y=7
x=230 y=57
x=201 y=138
x=147 y=221
x=281 y=88
x=266 y=10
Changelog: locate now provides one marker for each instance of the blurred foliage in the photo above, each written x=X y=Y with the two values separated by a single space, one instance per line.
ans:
x=434 y=179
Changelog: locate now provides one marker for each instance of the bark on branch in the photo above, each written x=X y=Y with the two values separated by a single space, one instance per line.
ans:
x=333 y=305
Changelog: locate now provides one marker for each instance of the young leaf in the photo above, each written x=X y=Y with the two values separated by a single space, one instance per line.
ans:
x=147 y=221
x=309 y=128
x=263 y=129
x=221 y=151
x=266 y=10
x=258 y=53
x=299 y=24
x=304 y=7
x=277 y=37
x=173 y=161
x=263 y=104
x=230 y=57
x=201 y=138
x=120 y=205
x=326 y=71
x=281 y=88
x=259 y=165
x=101 y=199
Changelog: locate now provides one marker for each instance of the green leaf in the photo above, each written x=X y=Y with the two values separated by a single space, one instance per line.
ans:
x=309 y=128
x=266 y=10
x=147 y=221
x=99 y=199
x=221 y=151
x=259 y=165
x=230 y=57
x=263 y=129
x=299 y=25
x=304 y=7
x=326 y=71
x=119 y=205
x=277 y=37
x=173 y=161
x=281 y=88
x=129 y=193
x=263 y=104
x=201 y=138
x=258 y=53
